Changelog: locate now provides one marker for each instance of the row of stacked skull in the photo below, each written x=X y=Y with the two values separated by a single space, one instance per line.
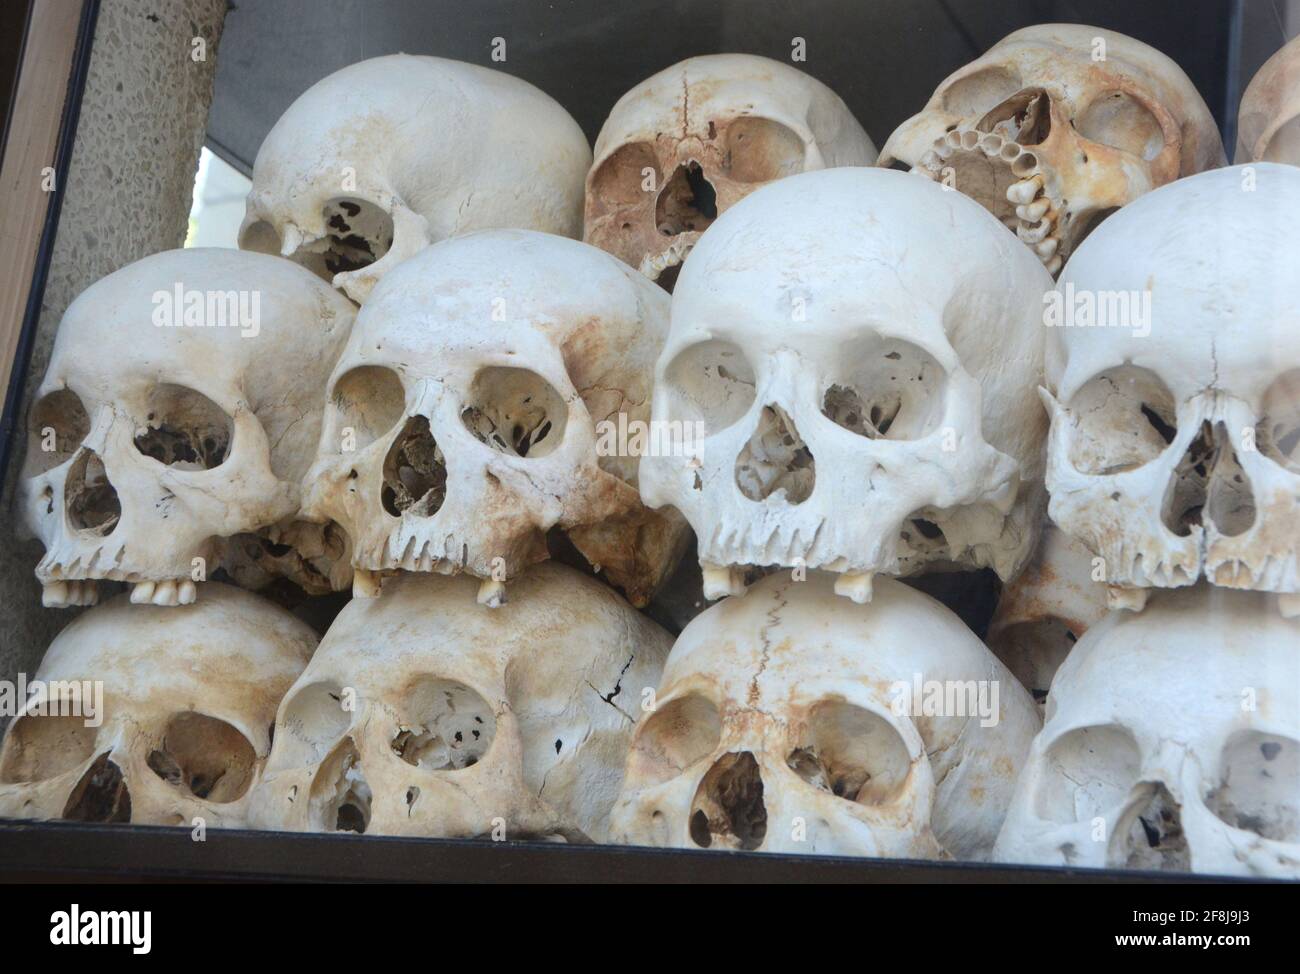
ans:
x=1062 y=348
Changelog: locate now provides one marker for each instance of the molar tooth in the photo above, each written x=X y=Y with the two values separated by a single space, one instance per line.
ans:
x=1025 y=190
x=855 y=586
x=1047 y=247
x=1032 y=235
x=991 y=144
x=1033 y=212
x=142 y=593
x=365 y=584
x=1130 y=599
x=54 y=595
x=952 y=139
x=721 y=581
x=186 y=592
x=1053 y=265
x=492 y=593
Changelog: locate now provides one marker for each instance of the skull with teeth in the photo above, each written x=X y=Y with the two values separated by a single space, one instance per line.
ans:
x=185 y=718
x=421 y=714
x=181 y=407
x=1175 y=444
x=1172 y=743
x=864 y=391
x=1268 y=124
x=687 y=143
x=382 y=158
x=792 y=721
x=478 y=405
x=1056 y=127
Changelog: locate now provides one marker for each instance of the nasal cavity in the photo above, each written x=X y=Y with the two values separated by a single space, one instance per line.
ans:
x=776 y=462
x=1024 y=118
x=1209 y=484
x=686 y=203
x=90 y=499
x=728 y=808
x=1154 y=839
x=415 y=472
x=100 y=796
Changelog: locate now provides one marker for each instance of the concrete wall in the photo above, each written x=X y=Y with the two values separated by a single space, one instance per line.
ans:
x=128 y=194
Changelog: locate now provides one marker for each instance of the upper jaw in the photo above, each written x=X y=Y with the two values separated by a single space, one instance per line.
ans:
x=654 y=265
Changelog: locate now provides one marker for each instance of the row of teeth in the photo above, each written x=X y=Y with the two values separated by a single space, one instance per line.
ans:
x=1036 y=219
x=722 y=581
x=65 y=594
x=366 y=584
x=653 y=266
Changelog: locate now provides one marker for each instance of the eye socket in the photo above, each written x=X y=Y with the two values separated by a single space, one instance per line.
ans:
x=357 y=233
x=370 y=401
x=185 y=429
x=760 y=150
x=205 y=756
x=1124 y=418
x=975 y=93
x=515 y=412
x=1088 y=772
x=895 y=391
x=621 y=176
x=41 y=747
x=445 y=726
x=852 y=753
x=677 y=735
x=1121 y=121
x=1277 y=434
x=712 y=382
x=310 y=723
x=1260 y=788
x=58 y=424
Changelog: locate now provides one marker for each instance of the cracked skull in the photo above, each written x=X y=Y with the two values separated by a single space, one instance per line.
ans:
x=1055 y=128
x=1175 y=443
x=184 y=724
x=863 y=392
x=683 y=146
x=181 y=407
x=463 y=417
x=421 y=714
x=1268 y=123
x=1172 y=743
x=386 y=156
x=789 y=720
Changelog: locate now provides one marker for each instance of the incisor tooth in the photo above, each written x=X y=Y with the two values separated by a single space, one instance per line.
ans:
x=855 y=586
x=721 y=581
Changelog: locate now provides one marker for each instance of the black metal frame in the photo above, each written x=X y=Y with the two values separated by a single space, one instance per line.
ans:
x=74 y=851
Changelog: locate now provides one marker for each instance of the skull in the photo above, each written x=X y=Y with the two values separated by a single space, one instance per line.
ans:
x=1056 y=127
x=782 y=725
x=181 y=407
x=1172 y=743
x=378 y=160
x=863 y=389
x=461 y=421
x=1045 y=609
x=421 y=714
x=687 y=143
x=1268 y=123
x=189 y=697
x=1175 y=444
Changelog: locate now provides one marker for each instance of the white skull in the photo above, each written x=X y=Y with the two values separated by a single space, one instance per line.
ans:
x=1172 y=742
x=1045 y=609
x=861 y=349
x=189 y=698
x=421 y=714
x=689 y=142
x=383 y=157
x=1268 y=122
x=166 y=422
x=782 y=725
x=1056 y=127
x=1173 y=451
x=461 y=419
